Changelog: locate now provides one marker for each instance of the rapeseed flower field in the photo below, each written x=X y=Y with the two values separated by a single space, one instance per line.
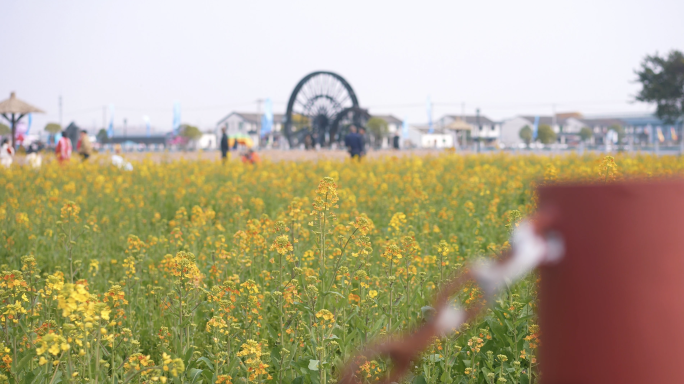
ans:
x=200 y=272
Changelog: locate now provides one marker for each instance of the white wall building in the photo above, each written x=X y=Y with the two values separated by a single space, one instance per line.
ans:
x=247 y=123
x=480 y=127
x=510 y=131
x=208 y=141
x=420 y=137
x=566 y=126
x=393 y=129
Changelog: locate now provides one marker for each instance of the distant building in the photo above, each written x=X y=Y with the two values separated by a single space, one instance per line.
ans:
x=248 y=123
x=208 y=141
x=638 y=129
x=566 y=125
x=157 y=140
x=421 y=137
x=470 y=128
x=600 y=127
x=393 y=129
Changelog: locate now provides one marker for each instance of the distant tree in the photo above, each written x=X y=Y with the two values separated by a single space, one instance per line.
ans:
x=526 y=134
x=619 y=130
x=102 y=136
x=53 y=128
x=585 y=133
x=545 y=134
x=4 y=129
x=190 y=132
x=378 y=128
x=662 y=83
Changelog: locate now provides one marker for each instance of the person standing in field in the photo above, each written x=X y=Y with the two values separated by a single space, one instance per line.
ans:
x=84 y=147
x=224 y=144
x=354 y=143
x=6 y=153
x=362 y=140
x=63 y=148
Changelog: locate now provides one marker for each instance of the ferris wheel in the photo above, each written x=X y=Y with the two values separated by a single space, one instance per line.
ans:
x=316 y=105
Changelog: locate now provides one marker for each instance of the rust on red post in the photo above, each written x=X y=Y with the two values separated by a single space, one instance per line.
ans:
x=611 y=310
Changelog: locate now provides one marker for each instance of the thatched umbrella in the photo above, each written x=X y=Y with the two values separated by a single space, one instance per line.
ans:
x=459 y=125
x=14 y=109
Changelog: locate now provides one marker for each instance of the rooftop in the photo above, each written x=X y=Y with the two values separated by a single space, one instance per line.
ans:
x=254 y=117
x=472 y=119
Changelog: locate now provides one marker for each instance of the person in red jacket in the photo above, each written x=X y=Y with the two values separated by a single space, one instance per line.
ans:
x=63 y=149
x=251 y=157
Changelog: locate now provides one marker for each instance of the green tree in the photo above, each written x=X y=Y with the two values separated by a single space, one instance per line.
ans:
x=378 y=128
x=53 y=128
x=662 y=83
x=526 y=134
x=190 y=132
x=102 y=136
x=585 y=133
x=545 y=134
x=4 y=129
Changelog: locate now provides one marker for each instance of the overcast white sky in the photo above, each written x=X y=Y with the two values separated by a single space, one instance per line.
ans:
x=214 y=57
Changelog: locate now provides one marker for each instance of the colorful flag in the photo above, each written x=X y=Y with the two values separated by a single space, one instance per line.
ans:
x=147 y=124
x=673 y=134
x=404 y=128
x=176 y=117
x=536 y=126
x=30 y=119
x=429 y=113
x=267 y=118
x=110 y=128
x=661 y=137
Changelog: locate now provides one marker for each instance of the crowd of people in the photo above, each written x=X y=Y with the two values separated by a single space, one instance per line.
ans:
x=354 y=141
x=63 y=152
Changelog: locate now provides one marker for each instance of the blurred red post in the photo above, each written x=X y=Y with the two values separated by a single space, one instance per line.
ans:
x=612 y=310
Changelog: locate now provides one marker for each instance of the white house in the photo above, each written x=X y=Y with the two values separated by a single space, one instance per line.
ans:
x=600 y=127
x=479 y=127
x=510 y=131
x=208 y=141
x=567 y=127
x=247 y=123
x=420 y=137
x=393 y=129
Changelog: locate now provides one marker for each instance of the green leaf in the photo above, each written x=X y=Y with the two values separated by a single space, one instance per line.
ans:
x=207 y=362
x=22 y=363
x=379 y=323
x=334 y=293
x=313 y=365
x=445 y=378
x=193 y=374
x=420 y=379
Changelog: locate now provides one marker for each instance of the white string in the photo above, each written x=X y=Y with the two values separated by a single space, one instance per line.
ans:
x=449 y=320
x=529 y=250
